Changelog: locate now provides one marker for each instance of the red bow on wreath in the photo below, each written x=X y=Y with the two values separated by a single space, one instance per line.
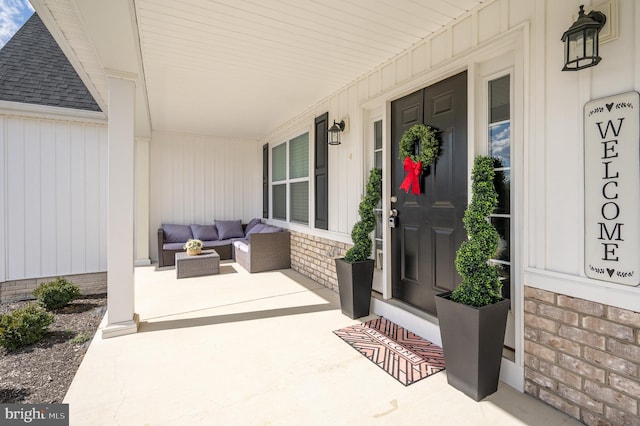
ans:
x=413 y=170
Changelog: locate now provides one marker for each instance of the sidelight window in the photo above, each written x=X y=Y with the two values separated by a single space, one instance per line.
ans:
x=377 y=155
x=500 y=149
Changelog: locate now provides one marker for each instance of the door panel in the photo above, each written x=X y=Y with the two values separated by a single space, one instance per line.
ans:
x=410 y=253
x=405 y=240
x=412 y=114
x=445 y=243
x=430 y=224
x=443 y=187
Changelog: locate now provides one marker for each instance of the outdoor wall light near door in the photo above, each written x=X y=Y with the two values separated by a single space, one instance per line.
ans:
x=581 y=41
x=334 y=132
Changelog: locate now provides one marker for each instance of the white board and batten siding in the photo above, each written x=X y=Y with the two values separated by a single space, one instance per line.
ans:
x=54 y=194
x=198 y=179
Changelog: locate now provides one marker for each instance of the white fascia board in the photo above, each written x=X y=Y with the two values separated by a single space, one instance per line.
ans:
x=20 y=109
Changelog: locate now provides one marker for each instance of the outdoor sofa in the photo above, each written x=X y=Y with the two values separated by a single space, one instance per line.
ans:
x=258 y=247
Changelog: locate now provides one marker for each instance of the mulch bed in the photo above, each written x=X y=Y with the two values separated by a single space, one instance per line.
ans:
x=41 y=373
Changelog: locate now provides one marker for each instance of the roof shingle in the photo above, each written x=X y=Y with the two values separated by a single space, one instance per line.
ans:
x=34 y=70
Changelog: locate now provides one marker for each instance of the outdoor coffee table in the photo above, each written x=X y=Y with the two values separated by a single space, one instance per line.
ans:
x=206 y=263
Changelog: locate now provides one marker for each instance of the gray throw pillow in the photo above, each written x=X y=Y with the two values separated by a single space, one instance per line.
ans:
x=270 y=229
x=255 y=229
x=251 y=224
x=229 y=229
x=176 y=233
x=204 y=232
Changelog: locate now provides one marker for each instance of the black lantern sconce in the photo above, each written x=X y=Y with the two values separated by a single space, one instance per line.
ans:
x=581 y=41
x=334 y=132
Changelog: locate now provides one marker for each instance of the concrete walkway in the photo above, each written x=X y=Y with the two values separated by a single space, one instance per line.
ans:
x=241 y=349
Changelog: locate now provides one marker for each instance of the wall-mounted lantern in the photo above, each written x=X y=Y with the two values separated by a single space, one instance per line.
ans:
x=334 y=132
x=581 y=41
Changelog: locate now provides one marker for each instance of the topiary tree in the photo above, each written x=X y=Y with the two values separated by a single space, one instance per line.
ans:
x=480 y=281
x=24 y=326
x=361 y=232
x=56 y=294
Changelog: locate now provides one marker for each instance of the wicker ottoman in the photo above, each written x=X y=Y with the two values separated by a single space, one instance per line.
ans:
x=206 y=263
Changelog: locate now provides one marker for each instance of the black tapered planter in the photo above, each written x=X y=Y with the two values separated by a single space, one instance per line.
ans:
x=472 y=341
x=355 y=281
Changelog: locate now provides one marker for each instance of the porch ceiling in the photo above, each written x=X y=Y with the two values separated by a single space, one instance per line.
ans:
x=241 y=67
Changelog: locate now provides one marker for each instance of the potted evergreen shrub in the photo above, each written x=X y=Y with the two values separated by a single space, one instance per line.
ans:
x=473 y=317
x=355 y=270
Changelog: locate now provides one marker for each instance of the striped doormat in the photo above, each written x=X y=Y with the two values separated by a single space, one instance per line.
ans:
x=404 y=355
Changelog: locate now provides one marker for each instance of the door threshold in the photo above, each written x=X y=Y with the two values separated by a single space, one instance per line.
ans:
x=409 y=317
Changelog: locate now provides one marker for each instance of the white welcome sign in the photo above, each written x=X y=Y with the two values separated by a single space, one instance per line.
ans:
x=612 y=188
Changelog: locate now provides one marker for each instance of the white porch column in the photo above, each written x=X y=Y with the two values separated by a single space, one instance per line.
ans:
x=121 y=318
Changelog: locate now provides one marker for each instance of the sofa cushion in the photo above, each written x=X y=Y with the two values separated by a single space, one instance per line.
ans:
x=176 y=233
x=216 y=243
x=251 y=224
x=269 y=229
x=241 y=245
x=173 y=246
x=229 y=229
x=204 y=232
x=255 y=229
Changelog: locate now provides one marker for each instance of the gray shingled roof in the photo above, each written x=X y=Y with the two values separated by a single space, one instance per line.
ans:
x=34 y=70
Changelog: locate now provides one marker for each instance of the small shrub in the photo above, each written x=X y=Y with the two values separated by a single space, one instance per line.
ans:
x=56 y=294
x=360 y=234
x=480 y=281
x=81 y=338
x=24 y=326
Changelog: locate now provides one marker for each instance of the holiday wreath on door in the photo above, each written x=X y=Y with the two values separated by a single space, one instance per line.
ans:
x=413 y=163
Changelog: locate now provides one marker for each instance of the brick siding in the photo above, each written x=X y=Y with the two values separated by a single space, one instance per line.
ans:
x=313 y=257
x=10 y=291
x=583 y=357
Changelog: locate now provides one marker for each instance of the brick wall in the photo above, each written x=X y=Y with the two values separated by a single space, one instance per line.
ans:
x=583 y=357
x=313 y=257
x=94 y=283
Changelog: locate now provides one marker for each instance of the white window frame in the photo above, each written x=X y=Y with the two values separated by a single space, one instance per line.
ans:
x=288 y=180
x=509 y=215
x=512 y=335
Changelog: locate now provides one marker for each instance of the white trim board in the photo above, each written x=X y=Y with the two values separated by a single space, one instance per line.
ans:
x=21 y=109
x=617 y=295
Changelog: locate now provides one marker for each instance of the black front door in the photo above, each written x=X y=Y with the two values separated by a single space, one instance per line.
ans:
x=430 y=226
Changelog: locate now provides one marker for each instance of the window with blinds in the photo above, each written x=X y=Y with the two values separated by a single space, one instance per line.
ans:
x=290 y=180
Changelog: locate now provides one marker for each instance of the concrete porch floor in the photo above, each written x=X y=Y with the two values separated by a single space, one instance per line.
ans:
x=242 y=349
